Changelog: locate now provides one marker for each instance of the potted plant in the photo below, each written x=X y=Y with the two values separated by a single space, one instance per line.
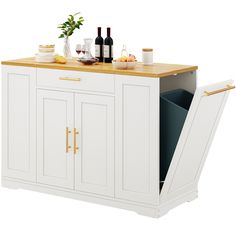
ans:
x=68 y=27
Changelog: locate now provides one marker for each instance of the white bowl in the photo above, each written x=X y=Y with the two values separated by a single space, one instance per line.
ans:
x=131 y=64
x=123 y=65
x=46 y=50
x=48 y=59
x=45 y=54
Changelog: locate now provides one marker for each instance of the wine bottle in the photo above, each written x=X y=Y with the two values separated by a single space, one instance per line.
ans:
x=108 y=47
x=99 y=46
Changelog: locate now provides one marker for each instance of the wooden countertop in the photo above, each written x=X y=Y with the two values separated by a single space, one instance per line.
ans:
x=155 y=71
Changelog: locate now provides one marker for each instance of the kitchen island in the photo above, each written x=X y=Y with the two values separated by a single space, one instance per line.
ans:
x=93 y=132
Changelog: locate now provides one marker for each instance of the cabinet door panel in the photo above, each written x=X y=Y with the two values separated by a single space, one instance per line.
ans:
x=19 y=122
x=55 y=113
x=137 y=139
x=94 y=162
x=194 y=142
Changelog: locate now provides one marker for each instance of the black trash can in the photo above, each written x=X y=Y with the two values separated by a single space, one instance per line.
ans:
x=174 y=106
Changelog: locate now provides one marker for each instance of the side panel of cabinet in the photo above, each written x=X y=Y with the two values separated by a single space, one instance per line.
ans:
x=55 y=111
x=19 y=122
x=94 y=161
x=137 y=146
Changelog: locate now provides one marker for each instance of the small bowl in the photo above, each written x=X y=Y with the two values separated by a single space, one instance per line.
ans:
x=123 y=65
x=44 y=59
x=46 y=48
x=88 y=61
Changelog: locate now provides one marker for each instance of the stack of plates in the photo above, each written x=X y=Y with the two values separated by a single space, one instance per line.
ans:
x=45 y=54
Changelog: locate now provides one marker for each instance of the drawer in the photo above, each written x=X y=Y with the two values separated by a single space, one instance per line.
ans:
x=76 y=80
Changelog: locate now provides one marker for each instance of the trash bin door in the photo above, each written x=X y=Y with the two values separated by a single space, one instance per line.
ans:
x=195 y=139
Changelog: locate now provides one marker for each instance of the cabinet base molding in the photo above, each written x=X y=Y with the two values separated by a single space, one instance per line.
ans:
x=142 y=209
x=186 y=197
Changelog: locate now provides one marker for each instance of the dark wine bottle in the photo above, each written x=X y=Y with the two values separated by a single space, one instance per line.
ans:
x=99 y=46
x=108 y=47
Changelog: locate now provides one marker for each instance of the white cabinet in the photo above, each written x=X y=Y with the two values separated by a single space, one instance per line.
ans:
x=55 y=119
x=94 y=159
x=137 y=126
x=19 y=122
x=97 y=135
x=75 y=141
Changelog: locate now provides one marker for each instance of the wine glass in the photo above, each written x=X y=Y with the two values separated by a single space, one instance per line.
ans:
x=83 y=49
x=78 y=48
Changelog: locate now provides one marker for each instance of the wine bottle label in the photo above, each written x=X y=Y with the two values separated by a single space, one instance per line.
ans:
x=107 y=51
x=97 y=50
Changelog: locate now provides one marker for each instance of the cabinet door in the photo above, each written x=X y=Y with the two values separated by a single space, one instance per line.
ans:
x=19 y=122
x=94 y=160
x=55 y=164
x=195 y=140
x=137 y=129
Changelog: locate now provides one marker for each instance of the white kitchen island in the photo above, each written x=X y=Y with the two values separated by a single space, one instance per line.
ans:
x=93 y=133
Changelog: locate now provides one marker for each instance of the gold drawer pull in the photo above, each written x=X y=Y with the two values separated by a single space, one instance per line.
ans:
x=69 y=79
x=228 y=87
x=75 y=142
x=67 y=139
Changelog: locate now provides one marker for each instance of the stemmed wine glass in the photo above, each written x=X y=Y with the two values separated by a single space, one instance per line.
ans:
x=80 y=49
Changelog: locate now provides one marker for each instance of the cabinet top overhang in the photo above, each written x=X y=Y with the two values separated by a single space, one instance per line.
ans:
x=156 y=70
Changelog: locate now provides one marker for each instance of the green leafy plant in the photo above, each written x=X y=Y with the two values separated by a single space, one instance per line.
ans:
x=69 y=26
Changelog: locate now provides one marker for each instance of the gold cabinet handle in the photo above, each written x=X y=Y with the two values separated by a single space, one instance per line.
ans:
x=69 y=79
x=67 y=140
x=75 y=142
x=228 y=87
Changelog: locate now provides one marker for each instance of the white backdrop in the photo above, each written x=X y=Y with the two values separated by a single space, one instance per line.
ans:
x=200 y=32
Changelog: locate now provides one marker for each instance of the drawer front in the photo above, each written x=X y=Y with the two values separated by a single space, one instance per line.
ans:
x=76 y=80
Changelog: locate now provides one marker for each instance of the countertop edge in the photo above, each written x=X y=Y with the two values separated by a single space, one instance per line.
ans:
x=116 y=72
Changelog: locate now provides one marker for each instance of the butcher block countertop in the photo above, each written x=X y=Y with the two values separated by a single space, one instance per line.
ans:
x=156 y=70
